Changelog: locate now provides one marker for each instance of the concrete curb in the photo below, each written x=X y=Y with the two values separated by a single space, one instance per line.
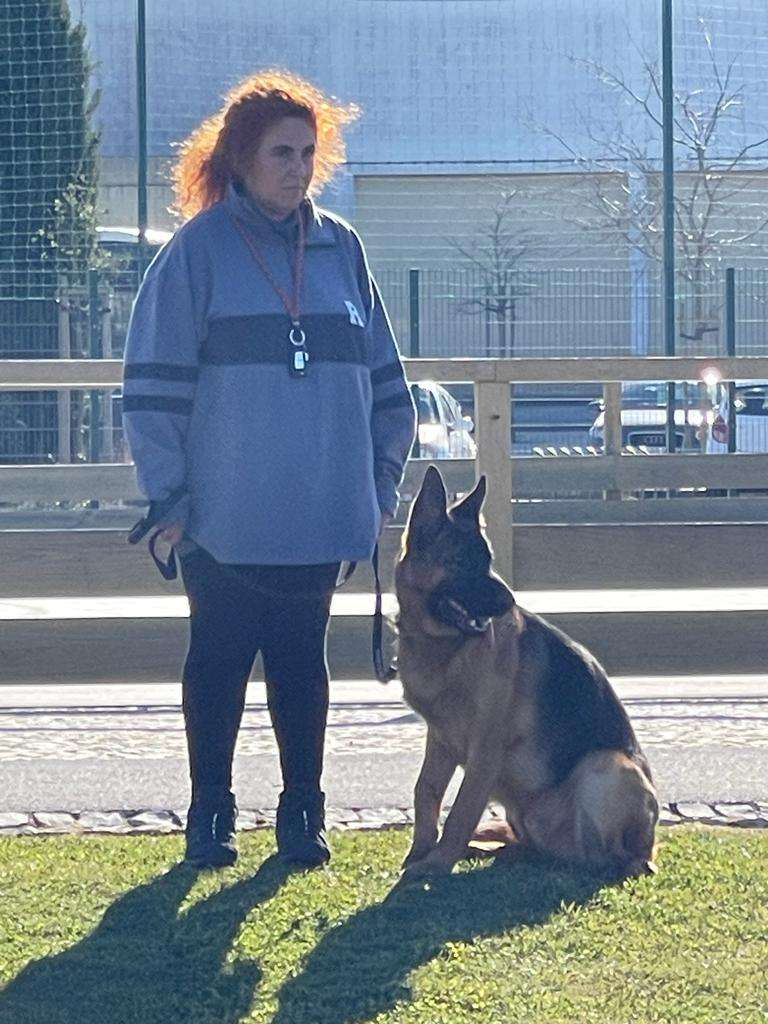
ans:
x=154 y=821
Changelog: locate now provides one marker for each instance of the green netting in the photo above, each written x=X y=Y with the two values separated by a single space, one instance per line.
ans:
x=530 y=203
x=47 y=215
x=47 y=161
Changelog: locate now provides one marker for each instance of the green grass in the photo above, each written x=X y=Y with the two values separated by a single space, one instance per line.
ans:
x=110 y=930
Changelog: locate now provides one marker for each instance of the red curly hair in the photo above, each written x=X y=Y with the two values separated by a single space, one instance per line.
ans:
x=212 y=154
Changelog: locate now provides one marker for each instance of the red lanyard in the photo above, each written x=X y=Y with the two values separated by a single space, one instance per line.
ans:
x=298 y=356
x=291 y=303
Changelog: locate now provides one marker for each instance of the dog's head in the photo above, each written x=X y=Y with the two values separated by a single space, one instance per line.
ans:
x=444 y=573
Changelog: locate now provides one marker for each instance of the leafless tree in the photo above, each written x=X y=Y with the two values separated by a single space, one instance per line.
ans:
x=496 y=251
x=711 y=215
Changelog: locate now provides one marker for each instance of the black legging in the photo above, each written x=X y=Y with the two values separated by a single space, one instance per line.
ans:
x=237 y=611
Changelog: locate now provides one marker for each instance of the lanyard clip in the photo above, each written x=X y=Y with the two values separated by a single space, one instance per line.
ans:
x=298 y=357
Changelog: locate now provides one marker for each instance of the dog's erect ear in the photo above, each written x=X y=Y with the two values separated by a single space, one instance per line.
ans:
x=429 y=509
x=468 y=509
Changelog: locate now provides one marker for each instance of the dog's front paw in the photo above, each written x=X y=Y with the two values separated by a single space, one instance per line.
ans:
x=417 y=854
x=434 y=865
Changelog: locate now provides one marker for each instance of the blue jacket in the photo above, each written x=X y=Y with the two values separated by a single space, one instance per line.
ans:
x=277 y=470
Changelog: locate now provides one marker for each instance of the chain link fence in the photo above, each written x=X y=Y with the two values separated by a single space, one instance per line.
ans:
x=70 y=111
x=436 y=313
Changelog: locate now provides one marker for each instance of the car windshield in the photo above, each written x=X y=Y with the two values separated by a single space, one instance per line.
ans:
x=752 y=401
x=653 y=395
x=648 y=394
x=452 y=410
x=426 y=406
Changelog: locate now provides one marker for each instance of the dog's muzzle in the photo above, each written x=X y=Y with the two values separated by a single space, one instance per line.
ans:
x=469 y=607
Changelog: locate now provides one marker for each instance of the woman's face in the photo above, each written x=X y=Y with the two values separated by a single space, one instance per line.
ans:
x=280 y=170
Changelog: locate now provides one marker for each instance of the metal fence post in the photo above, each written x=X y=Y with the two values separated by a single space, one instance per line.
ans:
x=142 y=203
x=492 y=429
x=730 y=350
x=487 y=298
x=94 y=337
x=668 y=154
x=108 y=436
x=64 y=395
x=414 y=318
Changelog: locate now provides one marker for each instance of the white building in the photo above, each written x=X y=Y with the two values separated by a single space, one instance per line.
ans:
x=463 y=102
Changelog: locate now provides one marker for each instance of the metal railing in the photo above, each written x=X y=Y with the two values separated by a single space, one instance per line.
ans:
x=451 y=312
x=553 y=312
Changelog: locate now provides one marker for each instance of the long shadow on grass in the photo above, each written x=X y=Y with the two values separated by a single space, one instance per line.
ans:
x=361 y=967
x=146 y=964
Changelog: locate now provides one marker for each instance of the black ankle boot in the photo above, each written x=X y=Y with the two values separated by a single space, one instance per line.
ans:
x=224 y=829
x=210 y=830
x=300 y=828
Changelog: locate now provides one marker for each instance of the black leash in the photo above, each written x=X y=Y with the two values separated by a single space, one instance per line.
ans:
x=384 y=673
x=157 y=511
x=169 y=571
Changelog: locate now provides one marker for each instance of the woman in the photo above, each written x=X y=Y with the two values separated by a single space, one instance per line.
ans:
x=265 y=401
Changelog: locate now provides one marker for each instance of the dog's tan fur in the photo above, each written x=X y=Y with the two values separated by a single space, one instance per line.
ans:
x=481 y=697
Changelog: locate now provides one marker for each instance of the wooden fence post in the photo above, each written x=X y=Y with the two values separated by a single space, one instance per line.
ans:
x=493 y=425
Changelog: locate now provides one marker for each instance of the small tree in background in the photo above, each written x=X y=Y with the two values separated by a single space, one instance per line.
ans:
x=713 y=214
x=495 y=252
x=48 y=171
x=48 y=181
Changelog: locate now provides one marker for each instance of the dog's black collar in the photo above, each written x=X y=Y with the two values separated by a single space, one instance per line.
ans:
x=450 y=612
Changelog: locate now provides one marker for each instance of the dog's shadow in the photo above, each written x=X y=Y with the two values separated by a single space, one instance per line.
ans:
x=361 y=968
x=145 y=963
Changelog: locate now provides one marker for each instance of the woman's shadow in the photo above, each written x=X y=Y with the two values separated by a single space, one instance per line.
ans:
x=146 y=963
x=360 y=968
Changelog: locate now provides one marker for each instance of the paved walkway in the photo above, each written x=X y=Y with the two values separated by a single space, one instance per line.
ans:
x=83 y=751
x=119 y=723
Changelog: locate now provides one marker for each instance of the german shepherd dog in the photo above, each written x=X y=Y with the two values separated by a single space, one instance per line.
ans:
x=527 y=712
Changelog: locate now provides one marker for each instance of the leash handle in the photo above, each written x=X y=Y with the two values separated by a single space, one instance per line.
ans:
x=351 y=566
x=157 y=510
x=168 y=570
x=384 y=673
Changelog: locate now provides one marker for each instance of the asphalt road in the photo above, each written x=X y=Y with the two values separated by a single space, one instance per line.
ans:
x=119 y=747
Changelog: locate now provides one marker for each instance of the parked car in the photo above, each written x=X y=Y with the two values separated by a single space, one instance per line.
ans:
x=644 y=416
x=123 y=241
x=751 y=405
x=542 y=414
x=551 y=415
x=121 y=275
x=443 y=431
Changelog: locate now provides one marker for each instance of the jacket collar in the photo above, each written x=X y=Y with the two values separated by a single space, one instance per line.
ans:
x=318 y=228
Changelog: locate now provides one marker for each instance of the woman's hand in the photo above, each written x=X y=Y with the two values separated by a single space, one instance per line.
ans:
x=173 y=534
